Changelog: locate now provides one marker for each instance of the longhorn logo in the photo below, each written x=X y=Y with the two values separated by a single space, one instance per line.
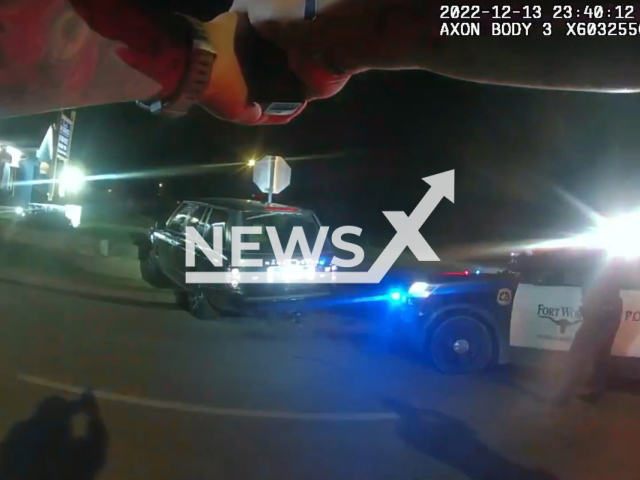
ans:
x=562 y=323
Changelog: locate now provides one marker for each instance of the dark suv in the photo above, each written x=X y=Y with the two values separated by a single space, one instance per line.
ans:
x=162 y=258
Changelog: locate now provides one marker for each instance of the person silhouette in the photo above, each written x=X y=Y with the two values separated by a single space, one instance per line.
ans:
x=45 y=447
x=591 y=348
x=453 y=442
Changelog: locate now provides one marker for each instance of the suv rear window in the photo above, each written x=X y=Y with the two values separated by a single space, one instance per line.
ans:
x=283 y=223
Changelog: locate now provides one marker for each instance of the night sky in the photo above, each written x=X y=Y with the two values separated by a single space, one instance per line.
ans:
x=367 y=149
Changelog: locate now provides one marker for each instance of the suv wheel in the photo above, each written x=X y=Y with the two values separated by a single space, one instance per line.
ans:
x=182 y=299
x=461 y=344
x=199 y=306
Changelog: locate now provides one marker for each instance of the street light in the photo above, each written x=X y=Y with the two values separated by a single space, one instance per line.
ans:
x=251 y=163
x=160 y=185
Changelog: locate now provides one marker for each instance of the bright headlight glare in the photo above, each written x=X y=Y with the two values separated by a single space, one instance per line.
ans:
x=619 y=234
x=616 y=235
x=420 y=289
x=72 y=179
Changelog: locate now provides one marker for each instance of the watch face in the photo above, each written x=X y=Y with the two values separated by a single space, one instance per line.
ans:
x=310 y=9
x=281 y=108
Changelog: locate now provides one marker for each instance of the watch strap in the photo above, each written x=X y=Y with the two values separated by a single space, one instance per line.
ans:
x=195 y=79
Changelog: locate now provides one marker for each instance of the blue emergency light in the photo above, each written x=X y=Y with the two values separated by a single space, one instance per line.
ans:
x=396 y=296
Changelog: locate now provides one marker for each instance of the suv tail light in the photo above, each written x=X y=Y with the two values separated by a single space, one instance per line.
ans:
x=461 y=274
x=274 y=208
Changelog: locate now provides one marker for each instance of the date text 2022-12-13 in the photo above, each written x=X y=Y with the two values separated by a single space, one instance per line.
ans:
x=535 y=20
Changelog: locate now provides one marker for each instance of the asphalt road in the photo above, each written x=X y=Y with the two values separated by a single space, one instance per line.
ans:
x=255 y=399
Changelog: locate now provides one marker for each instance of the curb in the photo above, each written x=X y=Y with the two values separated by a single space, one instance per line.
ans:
x=158 y=298
x=117 y=267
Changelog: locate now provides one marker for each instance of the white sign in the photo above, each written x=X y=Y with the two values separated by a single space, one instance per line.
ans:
x=45 y=152
x=548 y=318
x=64 y=137
x=272 y=174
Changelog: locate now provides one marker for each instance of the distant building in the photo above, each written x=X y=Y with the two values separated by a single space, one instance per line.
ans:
x=13 y=161
x=27 y=174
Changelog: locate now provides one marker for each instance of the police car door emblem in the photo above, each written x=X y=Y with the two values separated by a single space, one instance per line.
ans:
x=504 y=296
x=563 y=323
x=563 y=317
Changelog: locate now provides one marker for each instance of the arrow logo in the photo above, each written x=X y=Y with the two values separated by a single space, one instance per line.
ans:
x=407 y=234
x=408 y=228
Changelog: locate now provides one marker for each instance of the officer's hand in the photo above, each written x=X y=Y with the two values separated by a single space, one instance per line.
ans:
x=238 y=72
x=227 y=95
x=304 y=57
x=88 y=404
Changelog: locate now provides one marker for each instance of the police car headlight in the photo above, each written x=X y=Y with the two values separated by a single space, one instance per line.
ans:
x=420 y=290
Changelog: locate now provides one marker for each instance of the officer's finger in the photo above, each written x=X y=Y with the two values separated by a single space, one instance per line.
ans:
x=233 y=112
x=320 y=81
x=267 y=119
x=226 y=95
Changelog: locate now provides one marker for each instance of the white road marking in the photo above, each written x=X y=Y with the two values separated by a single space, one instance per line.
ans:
x=222 y=412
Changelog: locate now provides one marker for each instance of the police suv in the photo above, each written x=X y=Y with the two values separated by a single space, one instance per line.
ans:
x=527 y=313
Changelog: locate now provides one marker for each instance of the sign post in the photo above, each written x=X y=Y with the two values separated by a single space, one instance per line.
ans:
x=271 y=175
x=64 y=136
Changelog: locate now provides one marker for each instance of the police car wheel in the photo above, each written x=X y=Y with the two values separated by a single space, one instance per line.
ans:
x=199 y=305
x=461 y=345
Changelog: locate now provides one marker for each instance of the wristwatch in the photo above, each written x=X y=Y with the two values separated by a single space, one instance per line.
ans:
x=267 y=62
x=195 y=79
